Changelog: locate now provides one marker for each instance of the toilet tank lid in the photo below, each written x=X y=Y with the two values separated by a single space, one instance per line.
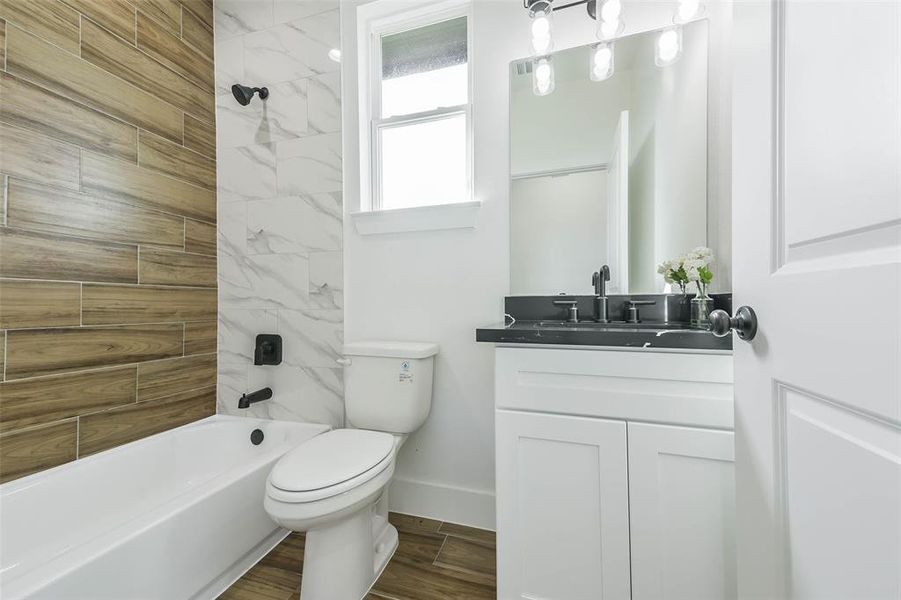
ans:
x=391 y=349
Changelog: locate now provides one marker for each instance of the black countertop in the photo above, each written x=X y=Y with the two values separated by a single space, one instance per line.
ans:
x=623 y=335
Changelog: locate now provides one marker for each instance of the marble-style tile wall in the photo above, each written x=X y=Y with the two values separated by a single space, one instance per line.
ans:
x=280 y=206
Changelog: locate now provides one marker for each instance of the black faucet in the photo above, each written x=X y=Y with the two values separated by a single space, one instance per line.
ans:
x=599 y=280
x=258 y=396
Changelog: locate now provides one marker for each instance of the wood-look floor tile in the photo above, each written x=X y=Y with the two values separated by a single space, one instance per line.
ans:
x=32 y=450
x=200 y=237
x=116 y=15
x=200 y=136
x=3 y=43
x=419 y=547
x=25 y=304
x=484 y=536
x=200 y=338
x=36 y=352
x=474 y=560
x=410 y=524
x=119 y=180
x=196 y=32
x=73 y=77
x=406 y=580
x=115 y=56
x=30 y=255
x=174 y=375
x=40 y=400
x=253 y=589
x=286 y=580
x=288 y=555
x=32 y=155
x=32 y=107
x=165 y=267
x=158 y=154
x=51 y=210
x=49 y=19
x=104 y=430
x=166 y=47
x=114 y=304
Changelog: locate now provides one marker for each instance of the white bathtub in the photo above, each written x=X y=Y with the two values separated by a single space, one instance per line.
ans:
x=174 y=516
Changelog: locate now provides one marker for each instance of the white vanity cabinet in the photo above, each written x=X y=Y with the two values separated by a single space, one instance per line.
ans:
x=614 y=474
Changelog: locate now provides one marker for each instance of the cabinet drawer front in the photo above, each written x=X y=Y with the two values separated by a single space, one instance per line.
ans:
x=682 y=512
x=679 y=388
x=563 y=517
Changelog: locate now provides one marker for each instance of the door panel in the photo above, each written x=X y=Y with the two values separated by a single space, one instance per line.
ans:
x=817 y=254
x=563 y=520
x=682 y=512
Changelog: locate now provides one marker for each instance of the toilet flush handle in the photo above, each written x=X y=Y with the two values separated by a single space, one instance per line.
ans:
x=344 y=362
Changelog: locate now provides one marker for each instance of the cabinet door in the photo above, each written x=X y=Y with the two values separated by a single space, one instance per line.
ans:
x=682 y=512
x=562 y=507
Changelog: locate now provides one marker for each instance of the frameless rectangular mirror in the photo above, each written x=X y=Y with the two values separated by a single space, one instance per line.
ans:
x=612 y=171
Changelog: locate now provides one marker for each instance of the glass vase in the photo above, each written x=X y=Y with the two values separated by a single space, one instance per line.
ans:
x=701 y=305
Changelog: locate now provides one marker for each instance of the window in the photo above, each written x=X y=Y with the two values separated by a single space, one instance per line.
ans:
x=417 y=110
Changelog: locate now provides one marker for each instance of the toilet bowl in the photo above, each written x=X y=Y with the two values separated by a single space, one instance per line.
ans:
x=334 y=486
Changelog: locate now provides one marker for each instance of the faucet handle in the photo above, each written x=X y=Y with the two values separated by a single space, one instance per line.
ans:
x=573 y=308
x=632 y=315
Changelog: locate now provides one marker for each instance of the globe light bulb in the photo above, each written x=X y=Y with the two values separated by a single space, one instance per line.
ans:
x=611 y=10
x=687 y=10
x=668 y=47
x=601 y=62
x=542 y=29
x=542 y=77
x=609 y=29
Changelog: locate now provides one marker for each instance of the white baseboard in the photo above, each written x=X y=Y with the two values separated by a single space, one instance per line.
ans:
x=445 y=503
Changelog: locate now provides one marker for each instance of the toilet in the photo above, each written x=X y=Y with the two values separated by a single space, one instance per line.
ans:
x=334 y=486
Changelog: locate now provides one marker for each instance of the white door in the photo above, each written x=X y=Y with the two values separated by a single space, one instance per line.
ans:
x=682 y=512
x=817 y=254
x=563 y=507
x=618 y=208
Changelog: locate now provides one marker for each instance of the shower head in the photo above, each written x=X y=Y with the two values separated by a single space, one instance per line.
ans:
x=244 y=94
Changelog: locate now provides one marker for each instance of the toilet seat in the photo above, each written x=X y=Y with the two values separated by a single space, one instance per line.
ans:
x=330 y=464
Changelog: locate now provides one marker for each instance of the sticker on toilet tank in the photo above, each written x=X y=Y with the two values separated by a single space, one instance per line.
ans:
x=406 y=372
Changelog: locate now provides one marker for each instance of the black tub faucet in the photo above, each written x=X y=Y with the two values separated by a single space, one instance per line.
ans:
x=599 y=280
x=258 y=396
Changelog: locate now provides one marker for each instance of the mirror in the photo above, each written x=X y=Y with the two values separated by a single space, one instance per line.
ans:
x=608 y=172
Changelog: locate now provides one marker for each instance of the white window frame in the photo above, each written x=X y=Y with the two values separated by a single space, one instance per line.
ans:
x=382 y=18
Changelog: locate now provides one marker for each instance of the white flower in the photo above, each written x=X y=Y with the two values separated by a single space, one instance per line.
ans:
x=701 y=253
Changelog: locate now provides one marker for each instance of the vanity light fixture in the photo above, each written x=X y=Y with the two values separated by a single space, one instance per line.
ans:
x=600 y=64
x=543 y=76
x=668 y=47
x=542 y=26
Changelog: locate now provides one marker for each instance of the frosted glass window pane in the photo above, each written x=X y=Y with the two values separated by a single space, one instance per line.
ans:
x=424 y=68
x=424 y=163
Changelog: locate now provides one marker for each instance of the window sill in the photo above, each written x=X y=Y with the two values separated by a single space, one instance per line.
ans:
x=421 y=218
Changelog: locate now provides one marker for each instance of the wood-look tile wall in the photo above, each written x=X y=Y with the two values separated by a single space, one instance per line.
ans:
x=107 y=225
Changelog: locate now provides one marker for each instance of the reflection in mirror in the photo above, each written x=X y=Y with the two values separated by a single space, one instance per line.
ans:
x=610 y=171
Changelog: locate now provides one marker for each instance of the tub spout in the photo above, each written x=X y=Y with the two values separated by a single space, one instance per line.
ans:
x=258 y=396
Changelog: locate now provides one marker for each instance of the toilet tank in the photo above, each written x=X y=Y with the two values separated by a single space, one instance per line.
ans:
x=388 y=385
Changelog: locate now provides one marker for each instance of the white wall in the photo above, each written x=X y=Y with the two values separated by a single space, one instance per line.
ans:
x=439 y=286
x=280 y=207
